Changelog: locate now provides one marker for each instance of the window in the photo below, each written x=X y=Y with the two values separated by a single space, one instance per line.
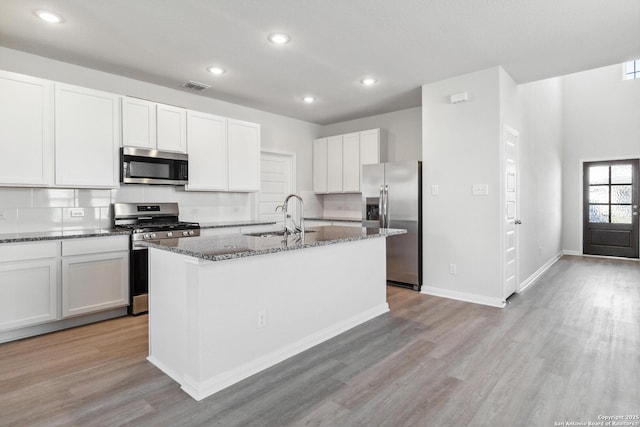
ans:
x=632 y=70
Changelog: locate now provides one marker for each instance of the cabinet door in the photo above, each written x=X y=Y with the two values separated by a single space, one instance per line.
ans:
x=207 y=148
x=334 y=164
x=244 y=156
x=138 y=123
x=28 y=293
x=370 y=147
x=171 y=128
x=87 y=137
x=94 y=282
x=351 y=162
x=320 y=165
x=26 y=130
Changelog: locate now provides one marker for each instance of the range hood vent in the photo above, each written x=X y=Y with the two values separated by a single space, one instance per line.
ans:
x=196 y=85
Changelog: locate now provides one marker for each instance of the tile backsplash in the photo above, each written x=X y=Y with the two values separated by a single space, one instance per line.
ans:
x=342 y=206
x=57 y=209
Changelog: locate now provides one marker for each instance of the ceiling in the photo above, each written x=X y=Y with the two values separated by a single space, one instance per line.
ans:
x=335 y=44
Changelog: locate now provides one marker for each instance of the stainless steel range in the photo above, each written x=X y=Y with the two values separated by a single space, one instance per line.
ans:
x=148 y=222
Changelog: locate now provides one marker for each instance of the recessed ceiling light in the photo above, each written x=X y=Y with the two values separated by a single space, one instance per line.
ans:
x=216 y=70
x=309 y=99
x=368 y=81
x=279 y=38
x=51 y=17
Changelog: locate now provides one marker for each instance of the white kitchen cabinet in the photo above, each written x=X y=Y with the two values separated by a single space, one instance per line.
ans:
x=153 y=126
x=26 y=130
x=320 y=165
x=171 y=128
x=87 y=137
x=95 y=274
x=371 y=147
x=351 y=163
x=334 y=164
x=138 y=123
x=244 y=155
x=207 y=148
x=28 y=284
x=338 y=160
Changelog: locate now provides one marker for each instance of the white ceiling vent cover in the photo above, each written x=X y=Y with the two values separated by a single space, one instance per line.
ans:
x=196 y=85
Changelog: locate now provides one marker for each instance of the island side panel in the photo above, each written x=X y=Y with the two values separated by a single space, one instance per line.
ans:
x=308 y=296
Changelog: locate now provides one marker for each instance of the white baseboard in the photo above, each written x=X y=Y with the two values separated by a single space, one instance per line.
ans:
x=222 y=381
x=532 y=279
x=574 y=253
x=462 y=296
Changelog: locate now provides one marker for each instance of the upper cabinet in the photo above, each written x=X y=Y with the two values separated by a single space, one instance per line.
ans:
x=320 y=165
x=153 y=126
x=87 y=137
x=338 y=160
x=207 y=142
x=224 y=154
x=244 y=156
x=26 y=130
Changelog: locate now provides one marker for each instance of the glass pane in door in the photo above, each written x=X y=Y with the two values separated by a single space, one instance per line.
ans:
x=599 y=194
x=621 y=174
x=598 y=175
x=621 y=194
x=621 y=214
x=599 y=213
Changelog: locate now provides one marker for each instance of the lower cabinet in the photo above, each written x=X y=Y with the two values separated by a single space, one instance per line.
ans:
x=95 y=274
x=28 y=284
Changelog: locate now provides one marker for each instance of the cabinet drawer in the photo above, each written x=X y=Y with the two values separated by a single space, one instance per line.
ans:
x=95 y=245
x=26 y=251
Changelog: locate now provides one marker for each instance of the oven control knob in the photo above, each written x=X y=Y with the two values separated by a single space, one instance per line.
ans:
x=146 y=236
x=185 y=233
x=191 y=233
x=153 y=235
x=169 y=234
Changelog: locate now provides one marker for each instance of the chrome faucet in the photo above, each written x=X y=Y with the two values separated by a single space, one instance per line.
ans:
x=295 y=228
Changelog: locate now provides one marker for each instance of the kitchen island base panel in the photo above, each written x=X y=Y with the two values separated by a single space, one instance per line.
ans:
x=215 y=323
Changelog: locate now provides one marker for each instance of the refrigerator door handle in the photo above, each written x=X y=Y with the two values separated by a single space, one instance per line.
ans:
x=386 y=206
x=381 y=207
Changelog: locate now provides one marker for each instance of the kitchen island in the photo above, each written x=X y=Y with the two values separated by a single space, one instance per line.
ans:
x=226 y=307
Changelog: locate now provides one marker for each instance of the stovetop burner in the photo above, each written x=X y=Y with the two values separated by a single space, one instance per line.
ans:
x=152 y=221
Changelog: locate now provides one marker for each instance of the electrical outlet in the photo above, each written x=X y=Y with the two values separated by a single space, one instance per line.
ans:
x=77 y=213
x=453 y=269
x=262 y=318
x=3 y=214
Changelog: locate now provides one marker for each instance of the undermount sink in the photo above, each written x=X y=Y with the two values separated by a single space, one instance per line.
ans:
x=273 y=233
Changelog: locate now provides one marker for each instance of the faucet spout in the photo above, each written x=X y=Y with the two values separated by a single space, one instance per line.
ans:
x=297 y=228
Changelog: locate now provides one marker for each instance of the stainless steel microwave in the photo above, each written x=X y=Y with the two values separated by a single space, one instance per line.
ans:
x=142 y=166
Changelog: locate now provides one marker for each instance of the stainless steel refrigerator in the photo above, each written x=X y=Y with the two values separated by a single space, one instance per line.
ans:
x=392 y=198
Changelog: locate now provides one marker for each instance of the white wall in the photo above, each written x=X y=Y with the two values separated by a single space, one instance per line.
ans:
x=540 y=176
x=41 y=208
x=601 y=122
x=460 y=148
x=403 y=132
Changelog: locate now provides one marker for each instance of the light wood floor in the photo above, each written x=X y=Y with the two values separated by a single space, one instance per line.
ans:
x=568 y=349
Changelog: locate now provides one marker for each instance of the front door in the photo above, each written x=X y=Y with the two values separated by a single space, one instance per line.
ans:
x=610 y=213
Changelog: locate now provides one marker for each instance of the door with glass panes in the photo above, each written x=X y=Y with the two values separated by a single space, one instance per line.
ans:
x=611 y=208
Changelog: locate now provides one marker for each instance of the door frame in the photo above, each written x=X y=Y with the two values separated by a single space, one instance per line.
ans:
x=580 y=221
x=291 y=155
x=506 y=128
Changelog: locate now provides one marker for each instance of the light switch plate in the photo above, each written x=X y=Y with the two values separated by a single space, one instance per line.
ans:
x=435 y=190
x=3 y=214
x=480 y=189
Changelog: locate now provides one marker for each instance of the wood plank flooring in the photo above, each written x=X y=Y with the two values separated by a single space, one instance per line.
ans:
x=568 y=349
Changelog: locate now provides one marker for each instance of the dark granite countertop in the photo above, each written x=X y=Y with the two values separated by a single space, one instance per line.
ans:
x=220 y=248
x=332 y=218
x=56 y=235
x=229 y=224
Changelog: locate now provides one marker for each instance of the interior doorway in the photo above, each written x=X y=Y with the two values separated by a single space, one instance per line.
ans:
x=510 y=217
x=277 y=181
x=610 y=208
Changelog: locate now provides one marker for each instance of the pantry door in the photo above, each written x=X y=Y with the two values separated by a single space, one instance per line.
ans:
x=610 y=211
x=277 y=181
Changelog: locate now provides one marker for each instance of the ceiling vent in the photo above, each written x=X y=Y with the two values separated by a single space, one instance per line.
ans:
x=196 y=85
